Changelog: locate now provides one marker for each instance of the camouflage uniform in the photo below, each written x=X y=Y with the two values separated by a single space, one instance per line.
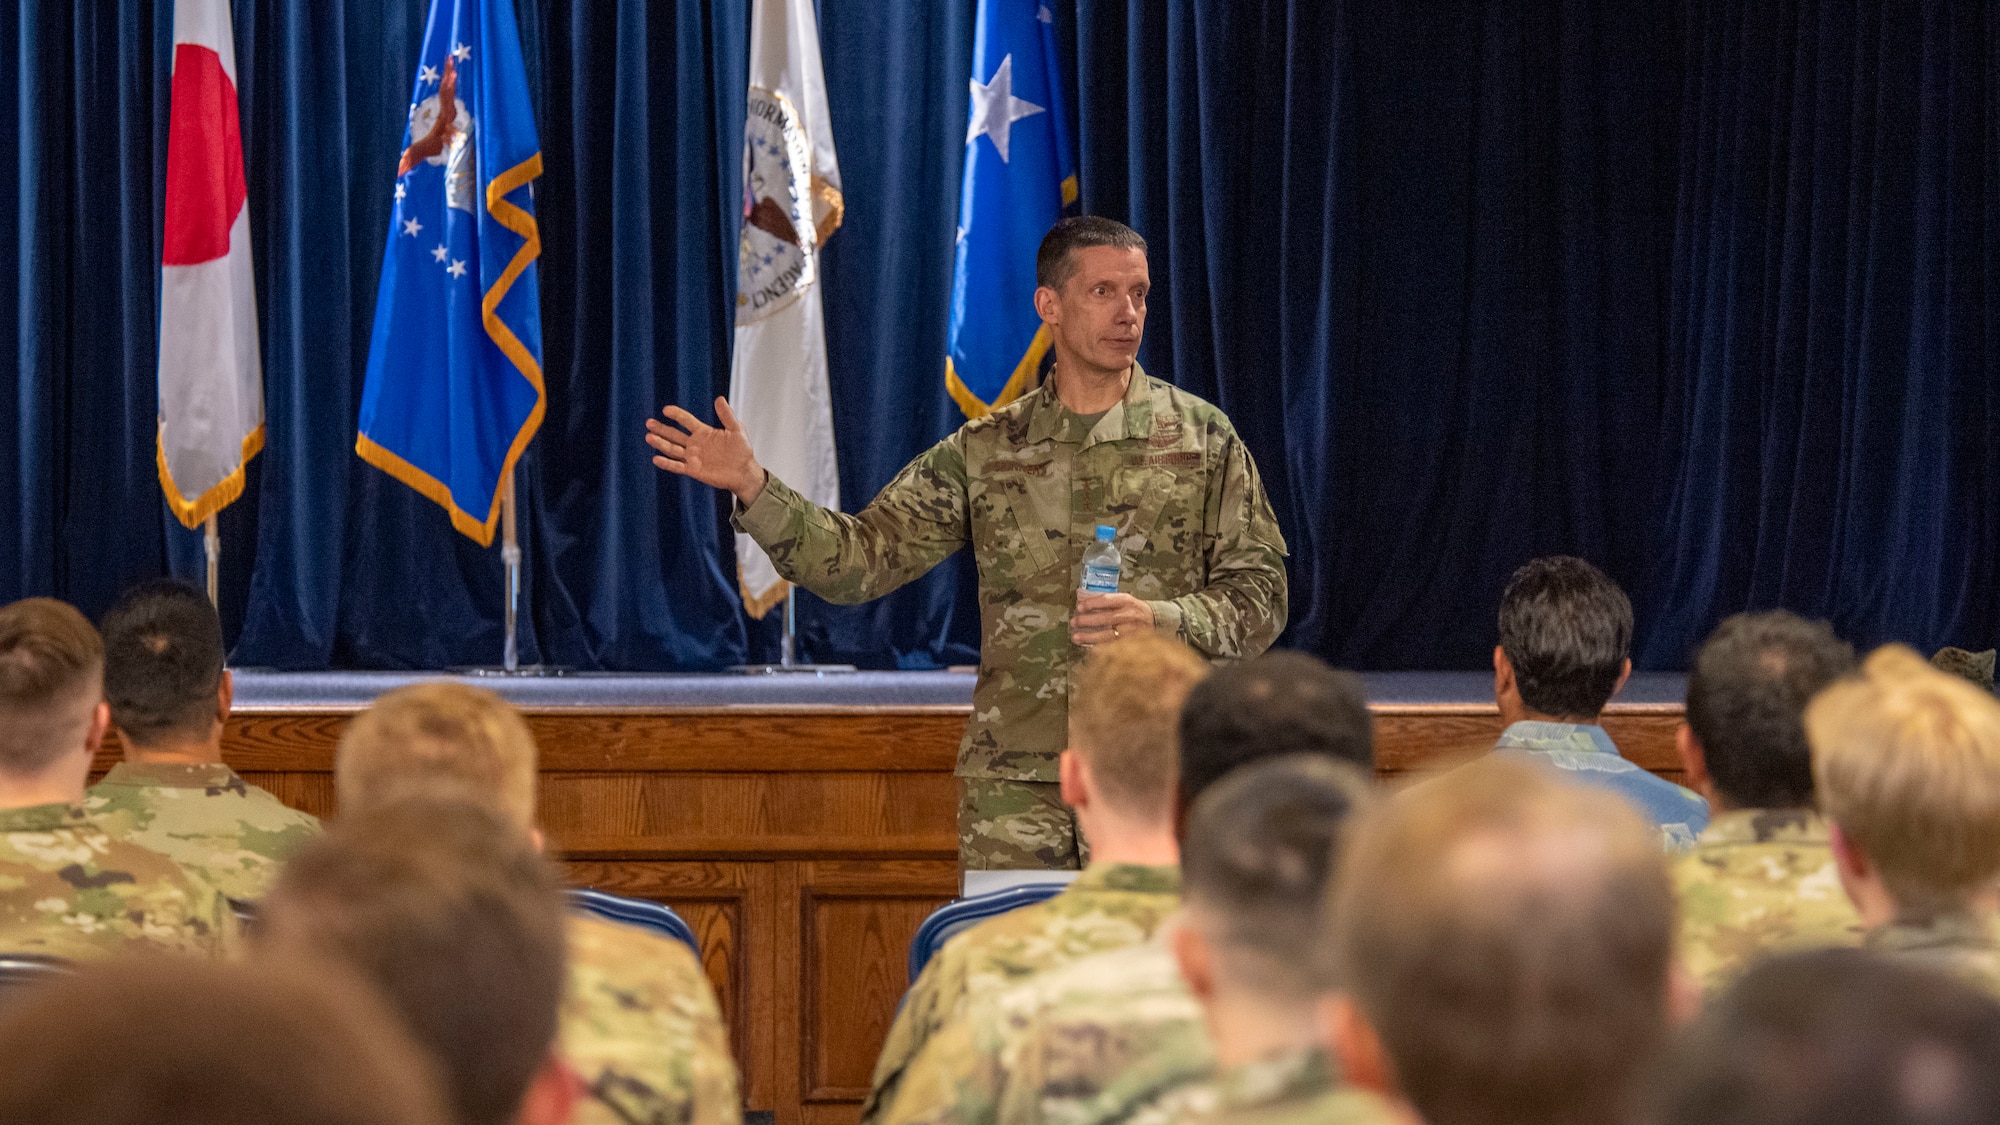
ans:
x=1110 y=906
x=203 y=817
x=1107 y=1040
x=1026 y=487
x=68 y=889
x=1587 y=755
x=1296 y=1087
x=1964 y=944
x=1759 y=881
x=641 y=1025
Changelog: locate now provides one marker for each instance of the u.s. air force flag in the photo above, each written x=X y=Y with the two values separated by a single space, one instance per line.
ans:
x=454 y=390
x=1018 y=178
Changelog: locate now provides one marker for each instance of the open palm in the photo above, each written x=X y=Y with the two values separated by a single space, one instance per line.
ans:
x=714 y=455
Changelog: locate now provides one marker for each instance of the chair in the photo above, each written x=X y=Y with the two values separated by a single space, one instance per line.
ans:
x=22 y=971
x=961 y=914
x=640 y=912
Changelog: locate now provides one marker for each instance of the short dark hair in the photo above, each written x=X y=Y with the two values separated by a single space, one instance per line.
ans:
x=450 y=911
x=1746 y=702
x=51 y=678
x=1566 y=628
x=1836 y=1037
x=1508 y=935
x=183 y=1042
x=162 y=661
x=1280 y=703
x=1055 y=262
x=1260 y=844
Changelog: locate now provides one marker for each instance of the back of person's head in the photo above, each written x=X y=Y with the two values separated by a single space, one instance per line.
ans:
x=171 y=1042
x=1837 y=1037
x=1260 y=845
x=1124 y=719
x=163 y=660
x=1907 y=760
x=1746 y=702
x=51 y=681
x=1507 y=935
x=420 y=738
x=1279 y=703
x=1566 y=628
x=453 y=914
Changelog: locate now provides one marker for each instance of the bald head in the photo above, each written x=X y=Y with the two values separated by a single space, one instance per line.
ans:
x=1507 y=937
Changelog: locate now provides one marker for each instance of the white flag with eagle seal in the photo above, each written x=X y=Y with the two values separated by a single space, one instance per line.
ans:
x=791 y=204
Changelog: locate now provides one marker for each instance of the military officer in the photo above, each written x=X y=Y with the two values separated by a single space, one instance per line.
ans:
x=1100 y=442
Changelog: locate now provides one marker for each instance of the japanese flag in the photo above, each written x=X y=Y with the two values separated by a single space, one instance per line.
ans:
x=211 y=383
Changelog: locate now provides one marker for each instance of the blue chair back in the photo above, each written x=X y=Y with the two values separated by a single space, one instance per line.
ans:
x=644 y=913
x=964 y=913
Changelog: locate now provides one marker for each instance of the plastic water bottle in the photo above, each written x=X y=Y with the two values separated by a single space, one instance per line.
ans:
x=1102 y=564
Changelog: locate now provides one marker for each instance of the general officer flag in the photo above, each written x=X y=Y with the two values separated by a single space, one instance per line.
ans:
x=1018 y=178
x=454 y=390
x=211 y=381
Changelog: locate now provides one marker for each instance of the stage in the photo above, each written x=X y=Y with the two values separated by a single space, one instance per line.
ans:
x=803 y=824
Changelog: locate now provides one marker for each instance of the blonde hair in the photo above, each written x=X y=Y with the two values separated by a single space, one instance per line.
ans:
x=1124 y=719
x=1906 y=759
x=433 y=736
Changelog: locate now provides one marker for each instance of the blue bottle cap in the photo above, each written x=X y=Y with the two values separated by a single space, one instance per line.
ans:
x=1104 y=533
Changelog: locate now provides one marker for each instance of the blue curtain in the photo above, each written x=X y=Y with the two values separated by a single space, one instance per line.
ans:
x=1705 y=291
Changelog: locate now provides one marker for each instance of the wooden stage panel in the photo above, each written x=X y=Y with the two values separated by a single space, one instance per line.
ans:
x=803 y=844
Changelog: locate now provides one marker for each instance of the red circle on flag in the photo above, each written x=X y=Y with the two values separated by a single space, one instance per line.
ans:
x=204 y=159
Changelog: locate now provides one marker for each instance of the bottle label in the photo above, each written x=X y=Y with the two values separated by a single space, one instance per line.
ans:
x=1100 y=579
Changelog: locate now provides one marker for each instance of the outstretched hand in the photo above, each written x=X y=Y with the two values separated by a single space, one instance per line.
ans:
x=718 y=456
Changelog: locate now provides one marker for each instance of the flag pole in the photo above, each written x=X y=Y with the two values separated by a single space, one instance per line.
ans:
x=787 y=644
x=213 y=541
x=510 y=555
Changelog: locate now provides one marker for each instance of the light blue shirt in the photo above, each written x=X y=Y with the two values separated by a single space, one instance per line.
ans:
x=1588 y=755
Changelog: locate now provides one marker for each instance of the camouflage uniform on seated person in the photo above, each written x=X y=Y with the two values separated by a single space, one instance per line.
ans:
x=1761 y=878
x=1907 y=763
x=640 y=1022
x=67 y=887
x=169 y=694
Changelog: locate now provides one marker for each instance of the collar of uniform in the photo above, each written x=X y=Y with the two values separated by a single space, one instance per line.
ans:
x=1129 y=417
x=43 y=818
x=1765 y=826
x=204 y=775
x=1531 y=734
x=1136 y=878
x=1947 y=929
x=1282 y=1076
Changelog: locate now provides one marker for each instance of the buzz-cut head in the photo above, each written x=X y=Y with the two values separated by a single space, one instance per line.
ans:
x=1055 y=262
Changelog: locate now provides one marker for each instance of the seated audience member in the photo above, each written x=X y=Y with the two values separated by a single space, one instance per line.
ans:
x=1761 y=878
x=1259 y=845
x=169 y=695
x=1836 y=1037
x=67 y=888
x=1118 y=1033
x=1907 y=760
x=640 y=1019
x=1500 y=940
x=160 y=1042
x=1119 y=777
x=1565 y=636
x=455 y=918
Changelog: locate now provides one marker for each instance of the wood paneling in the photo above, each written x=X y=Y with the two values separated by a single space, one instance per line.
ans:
x=803 y=845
